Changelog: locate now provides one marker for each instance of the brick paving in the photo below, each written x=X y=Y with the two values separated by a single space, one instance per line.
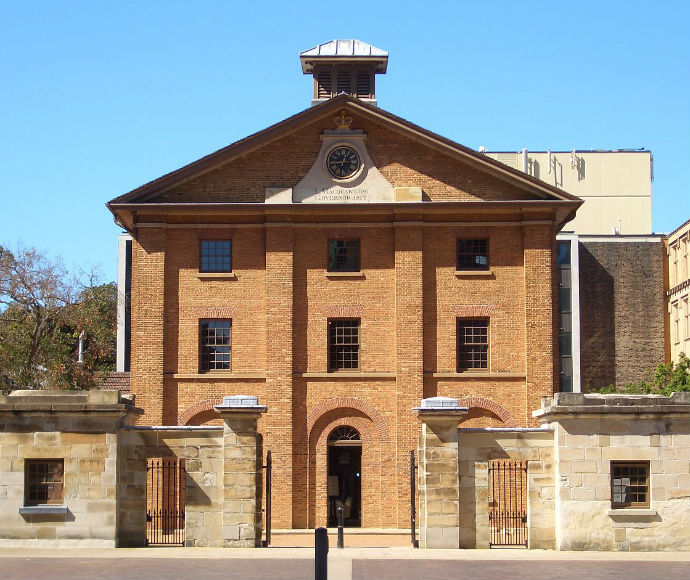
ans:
x=517 y=570
x=155 y=569
x=348 y=564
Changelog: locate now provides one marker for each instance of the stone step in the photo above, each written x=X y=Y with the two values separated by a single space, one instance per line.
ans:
x=353 y=537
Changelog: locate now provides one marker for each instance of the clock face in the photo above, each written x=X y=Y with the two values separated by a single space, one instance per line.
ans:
x=343 y=162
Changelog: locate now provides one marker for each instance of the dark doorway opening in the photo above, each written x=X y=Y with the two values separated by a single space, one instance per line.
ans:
x=345 y=477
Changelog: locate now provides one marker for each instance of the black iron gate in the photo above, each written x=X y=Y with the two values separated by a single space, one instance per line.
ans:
x=165 y=501
x=508 y=502
x=413 y=501
x=267 y=499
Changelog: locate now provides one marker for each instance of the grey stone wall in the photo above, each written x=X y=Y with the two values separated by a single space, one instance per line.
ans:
x=621 y=311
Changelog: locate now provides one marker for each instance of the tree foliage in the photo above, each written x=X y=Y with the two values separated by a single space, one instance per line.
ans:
x=667 y=378
x=43 y=311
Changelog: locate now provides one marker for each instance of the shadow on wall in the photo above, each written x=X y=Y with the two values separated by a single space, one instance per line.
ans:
x=597 y=322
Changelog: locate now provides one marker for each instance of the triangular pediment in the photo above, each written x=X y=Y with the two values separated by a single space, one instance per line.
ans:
x=402 y=161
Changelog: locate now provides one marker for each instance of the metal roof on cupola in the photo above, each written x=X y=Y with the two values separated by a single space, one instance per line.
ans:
x=352 y=50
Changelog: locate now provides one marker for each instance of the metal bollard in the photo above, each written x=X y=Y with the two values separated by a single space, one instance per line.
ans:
x=320 y=554
x=341 y=540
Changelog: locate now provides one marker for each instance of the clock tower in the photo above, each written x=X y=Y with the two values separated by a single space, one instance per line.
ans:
x=344 y=66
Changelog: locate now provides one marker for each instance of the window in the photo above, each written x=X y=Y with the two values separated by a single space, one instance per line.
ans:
x=473 y=344
x=216 y=256
x=343 y=344
x=343 y=255
x=565 y=336
x=43 y=481
x=629 y=484
x=473 y=254
x=215 y=345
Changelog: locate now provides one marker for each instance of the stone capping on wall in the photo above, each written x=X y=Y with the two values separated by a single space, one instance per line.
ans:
x=570 y=404
x=94 y=401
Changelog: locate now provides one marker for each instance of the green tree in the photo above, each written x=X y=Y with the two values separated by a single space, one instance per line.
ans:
x=43 y=311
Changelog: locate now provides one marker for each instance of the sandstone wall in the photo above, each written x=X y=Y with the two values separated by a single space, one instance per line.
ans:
x=476 y=449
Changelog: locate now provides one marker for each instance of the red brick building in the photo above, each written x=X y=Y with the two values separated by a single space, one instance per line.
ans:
x=342 y=265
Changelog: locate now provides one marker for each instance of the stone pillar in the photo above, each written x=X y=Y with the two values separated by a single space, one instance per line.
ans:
x=439 y=481
x=242 y=471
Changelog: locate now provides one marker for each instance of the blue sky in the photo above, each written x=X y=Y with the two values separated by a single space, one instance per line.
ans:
x=99 y=97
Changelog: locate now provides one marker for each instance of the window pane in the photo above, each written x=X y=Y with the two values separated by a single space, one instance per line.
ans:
x=43 y=481
x=629 y=484
x=343 y=255
x=343 y=344
x=473 y=254
x=216 y=256
x=563 y=258
x=473 y=344
x=215 y=345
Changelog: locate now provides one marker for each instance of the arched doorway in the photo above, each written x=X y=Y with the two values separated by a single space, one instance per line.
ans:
x=344 y=484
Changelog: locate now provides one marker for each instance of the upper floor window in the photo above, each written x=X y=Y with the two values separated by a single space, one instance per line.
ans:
x=343 y=344
x=473 y=254
x=473 y=344
x=343 y=255
x=43 y=481
x=214 y=345
x=629 y=484
x=216 y=256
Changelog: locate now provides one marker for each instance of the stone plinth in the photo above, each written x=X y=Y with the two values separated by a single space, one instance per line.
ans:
x=439 y=483
x=242 y=475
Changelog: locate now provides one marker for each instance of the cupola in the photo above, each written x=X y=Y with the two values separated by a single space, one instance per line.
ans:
x=344 y=66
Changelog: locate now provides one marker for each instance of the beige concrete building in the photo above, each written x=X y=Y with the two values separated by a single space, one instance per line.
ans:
x=678 y=291
x=615 y=185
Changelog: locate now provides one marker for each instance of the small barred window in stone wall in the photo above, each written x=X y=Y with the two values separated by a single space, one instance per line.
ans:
x=343 y=344
x=343 y=255
x=629 y=484
x=473 y=254
x=216 y=256
x=473 y=344
x=215 y=345
x=43 y=480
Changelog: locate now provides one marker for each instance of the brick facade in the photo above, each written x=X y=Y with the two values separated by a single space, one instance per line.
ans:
x=621 y=311
x=407 y=297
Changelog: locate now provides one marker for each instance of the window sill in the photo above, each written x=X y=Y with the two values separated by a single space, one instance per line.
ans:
x=474 y=274
x=43 y=510
x=345 y=275
x=224 y=376
x=477 y=375
x=632 y=513
x=217 y=275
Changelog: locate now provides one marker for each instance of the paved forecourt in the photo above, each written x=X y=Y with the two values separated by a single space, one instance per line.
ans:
x=350 y=563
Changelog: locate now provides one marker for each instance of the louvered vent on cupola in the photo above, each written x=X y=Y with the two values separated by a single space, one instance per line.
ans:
x=325 y=85
x=344 y=66
x=344 y=82
x=364 y=84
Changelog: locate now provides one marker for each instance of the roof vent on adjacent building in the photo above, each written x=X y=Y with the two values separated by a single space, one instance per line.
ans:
x=344 y=66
